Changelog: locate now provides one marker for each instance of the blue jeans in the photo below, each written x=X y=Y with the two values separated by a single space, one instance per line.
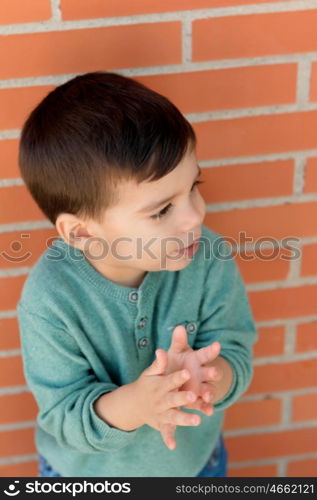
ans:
x=215 y=467
x=217 y=463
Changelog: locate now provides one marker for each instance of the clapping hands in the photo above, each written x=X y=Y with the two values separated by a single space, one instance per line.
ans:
x=202 y=376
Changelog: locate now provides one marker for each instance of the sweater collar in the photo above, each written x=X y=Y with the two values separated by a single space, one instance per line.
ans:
x=76 y=257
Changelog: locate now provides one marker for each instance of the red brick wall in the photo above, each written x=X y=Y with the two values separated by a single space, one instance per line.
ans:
x=244 y=72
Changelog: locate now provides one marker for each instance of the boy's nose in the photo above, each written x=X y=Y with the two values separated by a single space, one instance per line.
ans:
x=192 y=219
x=192 y=223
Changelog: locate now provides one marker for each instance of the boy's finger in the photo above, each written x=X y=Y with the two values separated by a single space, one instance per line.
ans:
x=210 y=373
x=207 y=392
x=176 y=379
x=208 y=353
x=159 y=364
x=200 y=405
x=167 y=432
x=207 y=408
x=179 y=339
x=179 y=398
x=178 y=417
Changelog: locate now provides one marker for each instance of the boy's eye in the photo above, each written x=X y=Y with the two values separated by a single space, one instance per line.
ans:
x=166 y=209
x=162 y=212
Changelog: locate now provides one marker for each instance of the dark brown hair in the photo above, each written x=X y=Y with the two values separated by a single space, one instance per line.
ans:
x=91 y=132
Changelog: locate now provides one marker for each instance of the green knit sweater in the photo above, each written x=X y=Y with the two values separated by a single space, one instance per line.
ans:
x=83 y=335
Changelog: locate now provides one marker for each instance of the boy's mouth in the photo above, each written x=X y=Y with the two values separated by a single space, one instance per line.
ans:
x=190 y=248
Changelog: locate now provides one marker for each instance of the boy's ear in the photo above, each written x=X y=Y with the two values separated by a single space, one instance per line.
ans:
x=73 y=230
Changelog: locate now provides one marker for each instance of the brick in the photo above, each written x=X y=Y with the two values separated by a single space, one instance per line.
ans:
x=9 y=159
x=9 y=334
x=283 y=303
x=247 y=35
x=272 y=444
x=291 y=220
x=17 y=442
x=311 y=176
x=23 y=248
x=255 y=471
x=20 y=11
x=193 y=91
x=17 y=408
x=21 y=469
x=313 y=82
x=85 y=50
x=253 y=414
x=247 y=181
x=10 y=291
x=11 y=372
x=228 y=88
x=309 y=264
x=271 y=341
x=256 y=135
x=277 y=377
x=257 y=270
x=304 y=407
x=17 y=103
x=81 y=9
x=306 y=337
x=18 y=205
x=302 y=468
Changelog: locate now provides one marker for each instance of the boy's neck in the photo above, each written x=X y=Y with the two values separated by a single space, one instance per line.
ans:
x=123 y=277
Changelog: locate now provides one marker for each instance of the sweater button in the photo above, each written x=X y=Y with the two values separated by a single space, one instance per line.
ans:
x=133 y=296
x=143 y=342
x=191 y=327
x=143 y=322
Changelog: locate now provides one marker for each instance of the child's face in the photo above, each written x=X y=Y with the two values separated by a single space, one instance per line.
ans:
x=133 y=239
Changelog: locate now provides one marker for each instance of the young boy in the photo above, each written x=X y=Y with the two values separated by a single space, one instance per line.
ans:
x=135 y=291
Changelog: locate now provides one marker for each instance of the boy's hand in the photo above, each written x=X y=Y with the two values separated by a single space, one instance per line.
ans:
x=157 y=399
x=181 y=355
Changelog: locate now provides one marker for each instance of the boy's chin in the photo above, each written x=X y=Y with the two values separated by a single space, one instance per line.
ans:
x=177 y=264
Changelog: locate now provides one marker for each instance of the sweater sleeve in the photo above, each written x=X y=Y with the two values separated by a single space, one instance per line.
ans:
x=65 y=387
x=227 y=317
